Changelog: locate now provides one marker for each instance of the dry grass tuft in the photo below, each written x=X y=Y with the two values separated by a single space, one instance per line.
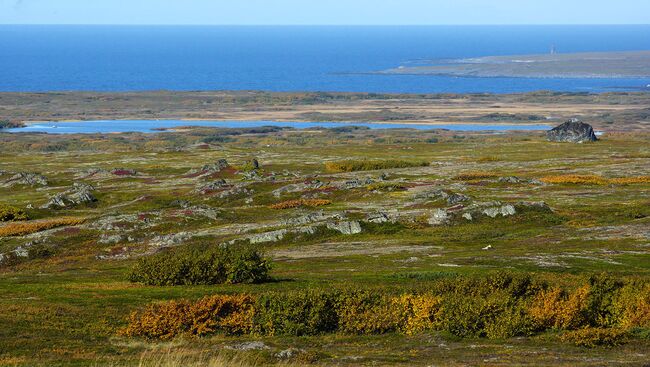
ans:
x=594 y=180
x=25 y=228
x=289 y=204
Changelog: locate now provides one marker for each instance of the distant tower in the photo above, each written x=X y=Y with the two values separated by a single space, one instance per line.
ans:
x=553 y=51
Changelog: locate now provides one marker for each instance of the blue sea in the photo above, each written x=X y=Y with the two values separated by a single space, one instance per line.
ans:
x=292 y=58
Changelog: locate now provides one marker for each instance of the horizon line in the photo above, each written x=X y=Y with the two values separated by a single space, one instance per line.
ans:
x=326 y=25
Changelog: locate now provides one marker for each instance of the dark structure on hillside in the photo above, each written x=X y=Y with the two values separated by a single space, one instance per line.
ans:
x=572 y=131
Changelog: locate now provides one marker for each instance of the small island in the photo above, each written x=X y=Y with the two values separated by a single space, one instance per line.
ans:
x=631 y=64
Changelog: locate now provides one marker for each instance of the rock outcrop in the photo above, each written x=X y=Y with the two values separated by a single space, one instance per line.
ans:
x=572 y=131
x=25 y=178
x=80 y=193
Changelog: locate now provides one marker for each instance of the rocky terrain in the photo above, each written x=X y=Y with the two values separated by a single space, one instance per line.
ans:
x=481 y=202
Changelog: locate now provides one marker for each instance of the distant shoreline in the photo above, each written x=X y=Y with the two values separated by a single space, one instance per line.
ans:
x=588 y=65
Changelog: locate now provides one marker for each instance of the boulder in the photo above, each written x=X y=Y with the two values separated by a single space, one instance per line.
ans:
x=572 y=131
x=347 y=228
x=25 y=178
x=80 y=193
x=439 y=217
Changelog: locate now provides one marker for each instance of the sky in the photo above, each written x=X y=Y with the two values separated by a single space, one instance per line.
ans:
x=324 y=12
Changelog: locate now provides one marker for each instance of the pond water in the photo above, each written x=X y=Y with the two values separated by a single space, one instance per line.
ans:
x=153 y=126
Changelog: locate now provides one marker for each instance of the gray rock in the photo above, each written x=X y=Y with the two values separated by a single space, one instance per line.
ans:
x=454 y=199
x=319 y=216
x=212 y=186
x=303 y=186
x=504 y=211
x=439 y=217
x=347 y=227
x=572 y=131
x=80 y=193
x=468 y=216
x=26 y=178
x=254 y=345
x=378 y=217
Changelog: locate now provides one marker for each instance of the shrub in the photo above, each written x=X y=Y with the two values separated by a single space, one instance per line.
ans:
x=594 y=180
x=229 y=265
x=556 y=309
x=632 y=306
x=10 y=213
x=600 y=303
x=513 y=321
x=418 y=312
x=364 y=312
x=289 y=204
x=25 y=228
x=595 y=337
x=296 y=313
x=368 y=165
x=221 y=313
x=466 y=316
x=473 y=176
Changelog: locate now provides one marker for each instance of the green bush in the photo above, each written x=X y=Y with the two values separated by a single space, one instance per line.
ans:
x=219 y=265
x=296 y=313
x=368 y=165
x=366 y=312
x=10 y=213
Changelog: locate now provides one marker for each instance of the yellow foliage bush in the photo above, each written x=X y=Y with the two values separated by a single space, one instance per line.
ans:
x=595 y=337
x=10 y=213
x=554 y=309
x=363 y=313
x=25 y=228
x=418 y=312
x=632 y=307
x=229 y=314
x=289 y=204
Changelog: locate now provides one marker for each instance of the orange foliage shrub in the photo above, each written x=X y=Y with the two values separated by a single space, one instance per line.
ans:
x=25 y=228
x=554 y=309
x=300 y=202
x=229 y=314
x=594 y=180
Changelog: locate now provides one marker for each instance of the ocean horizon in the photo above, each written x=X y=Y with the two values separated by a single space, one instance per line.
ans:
x=38 y=58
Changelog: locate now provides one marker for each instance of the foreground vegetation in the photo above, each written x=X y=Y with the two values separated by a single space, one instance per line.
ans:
x=500 y=250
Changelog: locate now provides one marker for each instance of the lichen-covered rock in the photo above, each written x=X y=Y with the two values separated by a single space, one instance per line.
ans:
x=439 y=217
x=80 y=193
x=347 y=227
x=26 y=178
x=572 y=131
x=378 y=217
x=455 y=198
x=504 y=211
x=212 y=186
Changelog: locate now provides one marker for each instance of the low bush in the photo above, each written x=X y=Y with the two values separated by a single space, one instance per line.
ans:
x=25 y=228
x=289 y=204
x=231 y=315
x=497 y=306
x=9 y=213
x=218 y=265
x=371 y=165
x=367 y=313
x=595 y=337
x=556 y=309
x=594 y=180
x=296 y=313
x=474 y=176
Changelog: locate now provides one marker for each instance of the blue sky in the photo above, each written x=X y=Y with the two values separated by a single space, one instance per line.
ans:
x=330 y=12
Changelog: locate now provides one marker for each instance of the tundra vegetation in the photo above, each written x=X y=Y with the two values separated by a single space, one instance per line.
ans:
x=333 y=247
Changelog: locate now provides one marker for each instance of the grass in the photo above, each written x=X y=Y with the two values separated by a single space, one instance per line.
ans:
x=66 y=309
